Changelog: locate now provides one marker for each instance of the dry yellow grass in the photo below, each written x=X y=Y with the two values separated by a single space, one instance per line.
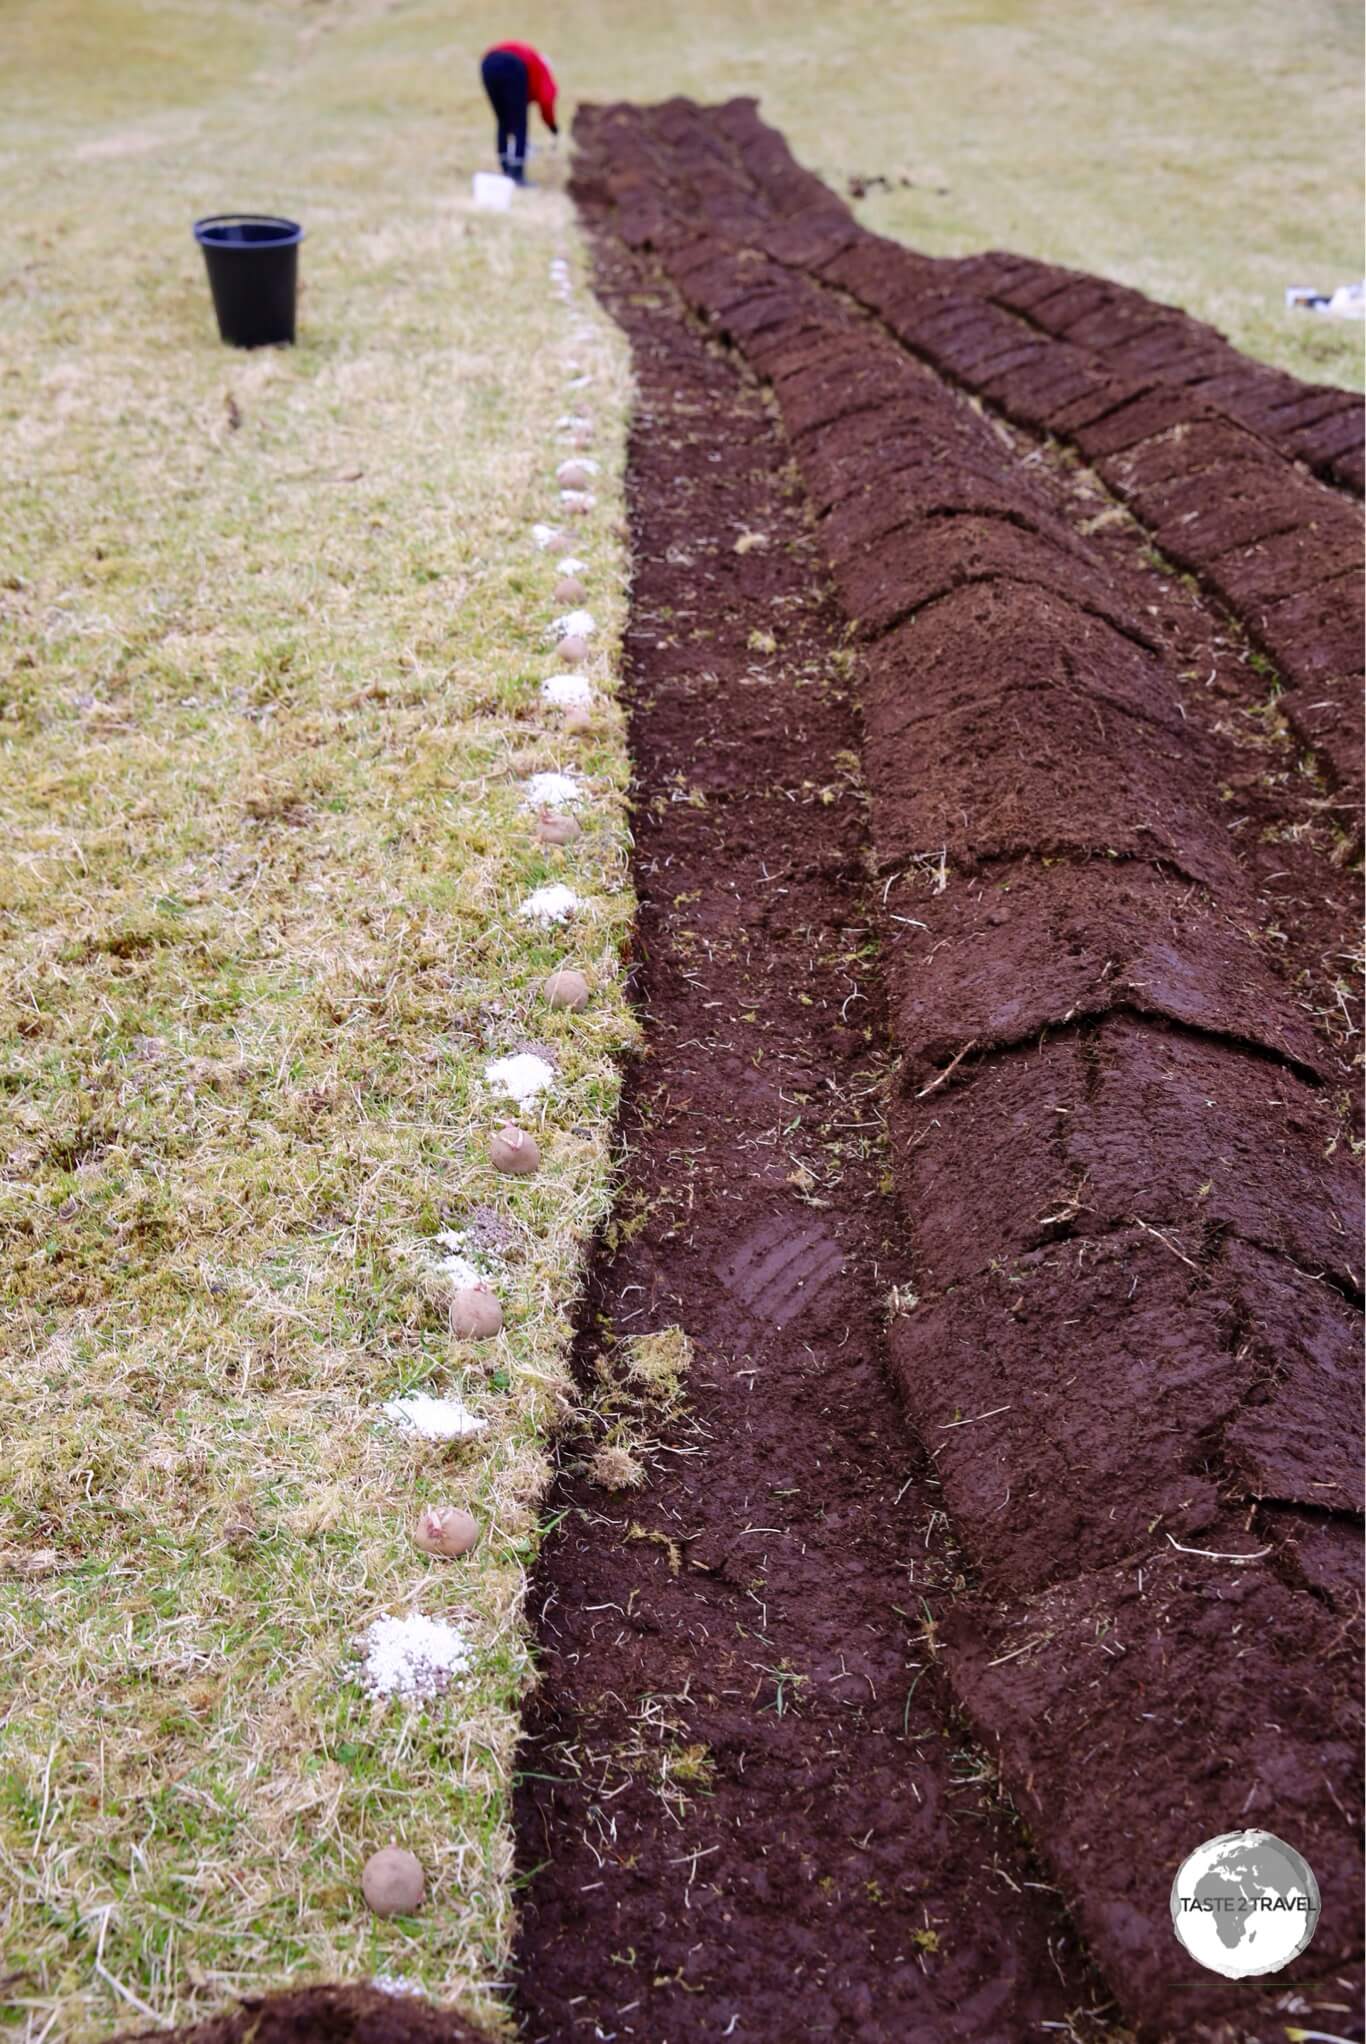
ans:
x=272 y=633
x=1209 y=154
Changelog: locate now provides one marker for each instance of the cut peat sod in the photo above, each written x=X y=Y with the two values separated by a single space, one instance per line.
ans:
x=747 y=1809
x=1120 y=1281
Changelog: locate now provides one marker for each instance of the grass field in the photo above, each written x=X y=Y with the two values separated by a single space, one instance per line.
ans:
x=272 y=632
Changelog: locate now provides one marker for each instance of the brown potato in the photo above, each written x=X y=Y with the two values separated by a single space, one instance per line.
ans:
x=446 y=1530
x=514 y=1151
x=393 y=1882
x=475 y=1314
x=566 y=989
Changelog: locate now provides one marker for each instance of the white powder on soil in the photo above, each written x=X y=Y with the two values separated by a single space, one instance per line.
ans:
x=520 y=1078
x=467 y=1263
x=569 y=565
x=552 y=791
x=564 y=689
x=578 y=624
x=434 y=1419
x=544 y=535
x=461 y=1271
x=553 y=904
x=414 y=1657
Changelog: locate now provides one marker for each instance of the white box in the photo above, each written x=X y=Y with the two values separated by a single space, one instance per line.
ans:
x=491 y=188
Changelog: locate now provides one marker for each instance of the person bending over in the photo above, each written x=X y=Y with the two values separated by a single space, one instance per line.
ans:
x=514 y=76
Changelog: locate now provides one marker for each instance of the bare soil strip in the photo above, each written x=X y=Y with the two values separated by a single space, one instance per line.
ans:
x=329 y=2015
x=746 y=1808
x=1117 y=1127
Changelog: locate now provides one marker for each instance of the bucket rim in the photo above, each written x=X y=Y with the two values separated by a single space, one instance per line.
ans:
x=290 y=235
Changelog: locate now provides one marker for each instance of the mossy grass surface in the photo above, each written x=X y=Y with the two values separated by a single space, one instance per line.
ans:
x=274 y=631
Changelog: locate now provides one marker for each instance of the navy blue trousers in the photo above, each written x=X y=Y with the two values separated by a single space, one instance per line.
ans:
x=505 y=82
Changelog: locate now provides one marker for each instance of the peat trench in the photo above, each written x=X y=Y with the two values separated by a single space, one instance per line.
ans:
x=1036 y=1071
x=757 y=1814
x=987 y=1163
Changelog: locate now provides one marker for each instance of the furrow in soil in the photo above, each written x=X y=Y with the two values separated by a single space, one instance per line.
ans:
x=1113 y=941
x=747 y=1808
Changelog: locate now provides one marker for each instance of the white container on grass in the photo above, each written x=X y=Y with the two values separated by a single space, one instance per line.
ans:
x=492 y=189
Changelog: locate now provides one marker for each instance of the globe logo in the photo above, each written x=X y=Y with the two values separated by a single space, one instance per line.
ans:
x=1245 y=1903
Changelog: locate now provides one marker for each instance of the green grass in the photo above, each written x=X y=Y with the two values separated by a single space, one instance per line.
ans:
x=271 y=634
x=274 y=630
x=1209 y=154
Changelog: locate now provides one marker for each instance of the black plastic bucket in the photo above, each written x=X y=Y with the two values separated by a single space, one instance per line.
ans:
x=253 y=264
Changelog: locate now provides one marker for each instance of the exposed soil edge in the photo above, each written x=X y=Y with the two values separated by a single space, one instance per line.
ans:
x=765 y=322
x=825 y=1879
x=326 y=2015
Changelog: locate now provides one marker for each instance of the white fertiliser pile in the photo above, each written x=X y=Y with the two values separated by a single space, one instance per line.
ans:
x=552 y=791
x=414 y=1658
x=520 y=1077
x=565 y=691
x=434 y=1419
x=552 y=904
